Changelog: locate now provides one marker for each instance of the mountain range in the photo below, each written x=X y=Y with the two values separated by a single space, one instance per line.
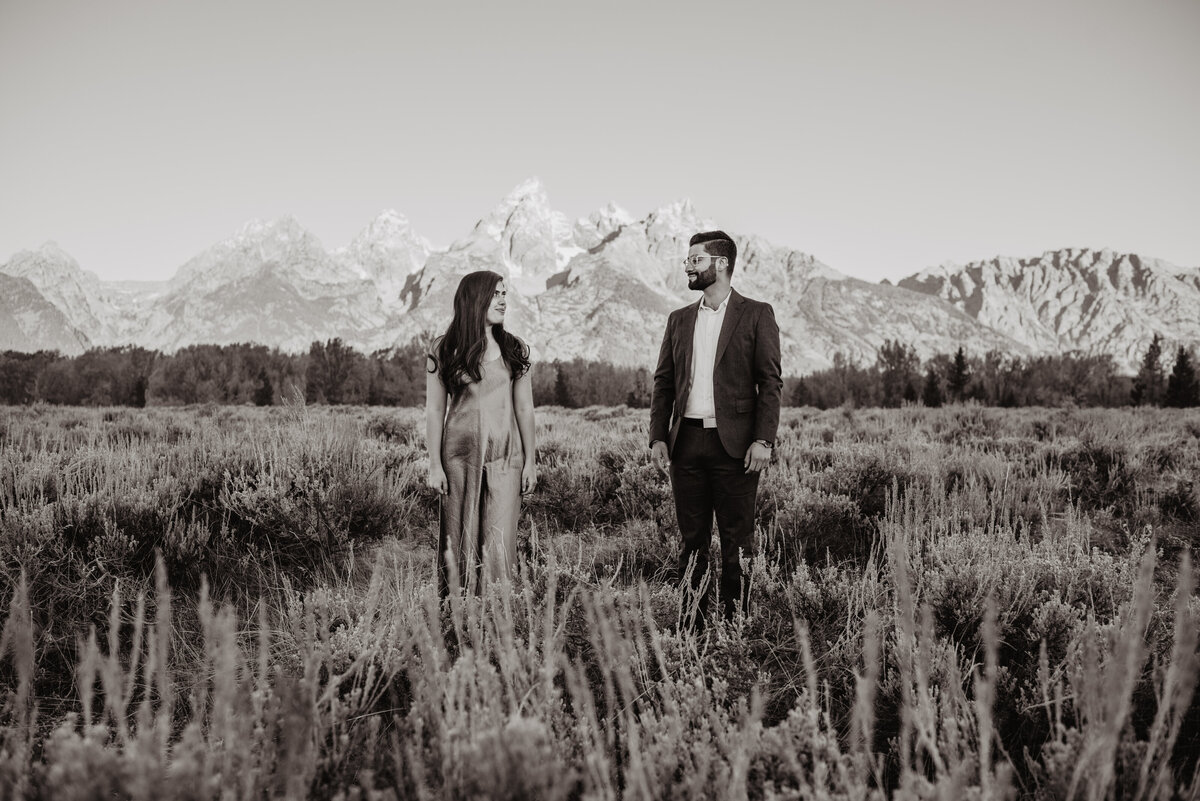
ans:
x=599 y=287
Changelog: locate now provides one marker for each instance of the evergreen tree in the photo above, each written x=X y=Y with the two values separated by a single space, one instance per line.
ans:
x=562 y=389
x=1182 y=387
x=1148 y=386
x=800 y=394
x=264 y=393
x=960 y=374
x=140 y=385
x=639 y=396
x=141 y=365
x=931 y=394
x=374 y=389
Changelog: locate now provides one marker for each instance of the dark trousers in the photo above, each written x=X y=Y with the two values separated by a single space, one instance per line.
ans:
x=707 y=480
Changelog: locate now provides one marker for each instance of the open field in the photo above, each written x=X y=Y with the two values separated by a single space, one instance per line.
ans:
x=234 y=602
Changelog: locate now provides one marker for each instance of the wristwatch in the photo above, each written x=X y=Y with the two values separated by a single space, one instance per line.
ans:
x=765 y=444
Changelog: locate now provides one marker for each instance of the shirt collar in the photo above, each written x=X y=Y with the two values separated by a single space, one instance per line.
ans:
x=720 y=308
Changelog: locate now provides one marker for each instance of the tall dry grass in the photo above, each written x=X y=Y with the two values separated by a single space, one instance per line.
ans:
x=1014 y=615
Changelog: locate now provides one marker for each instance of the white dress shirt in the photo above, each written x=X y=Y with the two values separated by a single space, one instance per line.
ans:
x=700 y=402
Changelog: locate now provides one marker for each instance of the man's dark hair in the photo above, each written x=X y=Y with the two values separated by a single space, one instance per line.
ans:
x=716 y=243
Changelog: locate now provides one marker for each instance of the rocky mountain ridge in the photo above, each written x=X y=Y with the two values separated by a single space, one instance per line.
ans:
x=1075 y=299
x=599 y=288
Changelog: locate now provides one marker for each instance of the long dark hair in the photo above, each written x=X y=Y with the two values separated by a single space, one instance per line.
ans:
x=459 y=352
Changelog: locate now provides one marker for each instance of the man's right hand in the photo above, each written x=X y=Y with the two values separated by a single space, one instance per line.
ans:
x=660 y=456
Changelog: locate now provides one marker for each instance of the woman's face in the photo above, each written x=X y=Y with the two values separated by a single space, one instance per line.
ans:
x=498 y=305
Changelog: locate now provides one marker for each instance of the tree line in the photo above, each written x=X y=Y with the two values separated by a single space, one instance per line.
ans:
x=994 y=378
x=332 y=372
x=1151 y=385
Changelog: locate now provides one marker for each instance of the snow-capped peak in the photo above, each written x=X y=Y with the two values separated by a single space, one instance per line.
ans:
x=529 y=188
x=386 y=251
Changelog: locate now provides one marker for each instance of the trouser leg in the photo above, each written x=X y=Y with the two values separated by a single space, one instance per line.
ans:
x=692 y=487
x=451 y=556
x=457 y=515
x=734 y=493
x=500 y=507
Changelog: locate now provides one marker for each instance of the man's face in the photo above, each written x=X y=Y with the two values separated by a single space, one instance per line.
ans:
x=701 y=268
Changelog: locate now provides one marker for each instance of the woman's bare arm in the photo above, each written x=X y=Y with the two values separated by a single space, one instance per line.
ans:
x=523 y=406
x=435 y=418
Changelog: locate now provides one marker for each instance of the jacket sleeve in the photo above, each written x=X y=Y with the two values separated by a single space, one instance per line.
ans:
x=662 y=400
x=767 y=375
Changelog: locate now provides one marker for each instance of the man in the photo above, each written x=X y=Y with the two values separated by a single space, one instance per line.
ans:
x=714 y=414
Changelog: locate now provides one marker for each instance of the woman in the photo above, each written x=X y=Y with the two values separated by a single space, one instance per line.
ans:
x=479 y=432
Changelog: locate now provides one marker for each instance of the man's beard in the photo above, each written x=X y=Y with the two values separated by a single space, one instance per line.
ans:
x=703 y=280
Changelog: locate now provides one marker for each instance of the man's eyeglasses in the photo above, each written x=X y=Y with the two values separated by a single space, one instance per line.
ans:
x=697 y=260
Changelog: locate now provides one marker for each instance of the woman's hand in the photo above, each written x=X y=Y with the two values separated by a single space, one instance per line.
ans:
x=528 y=477
x=437 y=479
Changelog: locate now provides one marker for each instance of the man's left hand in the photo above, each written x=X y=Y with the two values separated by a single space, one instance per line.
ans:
x=757 y=457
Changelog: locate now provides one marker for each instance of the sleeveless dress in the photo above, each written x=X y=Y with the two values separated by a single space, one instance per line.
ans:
x=482 y=457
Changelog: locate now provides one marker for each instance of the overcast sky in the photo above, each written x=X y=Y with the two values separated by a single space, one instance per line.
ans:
x=881 y=137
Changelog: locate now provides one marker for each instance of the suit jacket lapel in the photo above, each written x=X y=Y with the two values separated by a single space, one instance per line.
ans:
x=732 y=313
x=687 y=332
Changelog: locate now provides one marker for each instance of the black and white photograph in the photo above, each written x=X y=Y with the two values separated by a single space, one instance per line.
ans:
x=547 y=400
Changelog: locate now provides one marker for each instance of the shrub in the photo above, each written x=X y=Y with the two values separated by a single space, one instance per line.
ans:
x=974 y=642
x=814 y=526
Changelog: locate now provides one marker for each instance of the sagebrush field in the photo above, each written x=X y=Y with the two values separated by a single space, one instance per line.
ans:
x=238 y=603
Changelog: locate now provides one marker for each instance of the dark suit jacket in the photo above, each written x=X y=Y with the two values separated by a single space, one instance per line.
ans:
x=747 y=384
